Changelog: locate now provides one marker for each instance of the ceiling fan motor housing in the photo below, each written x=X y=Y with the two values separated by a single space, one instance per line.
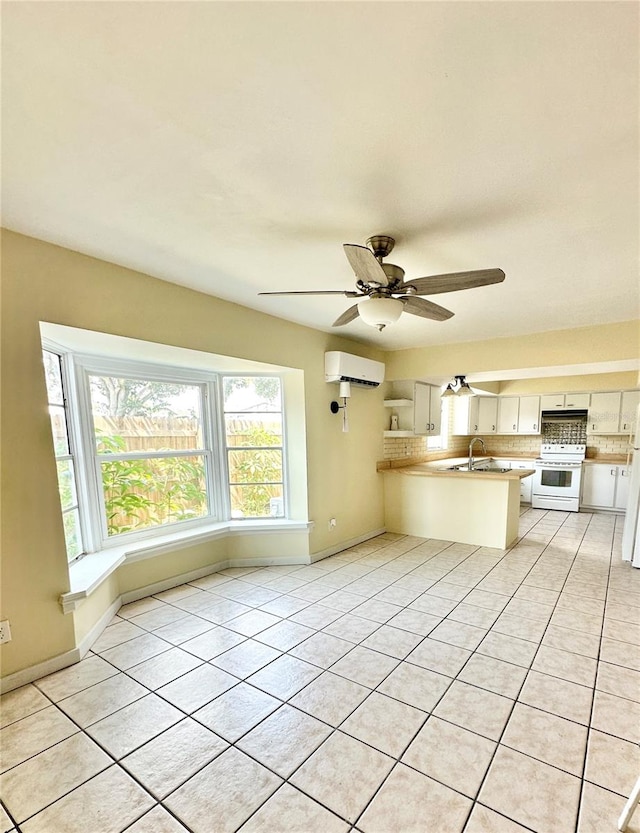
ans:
x=381 y=245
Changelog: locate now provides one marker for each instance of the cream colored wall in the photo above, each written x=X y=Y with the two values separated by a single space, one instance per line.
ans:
x=584 y=345
x=41 y=282
x=571 y=384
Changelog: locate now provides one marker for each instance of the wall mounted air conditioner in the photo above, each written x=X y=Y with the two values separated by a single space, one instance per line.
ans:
x=344 y=367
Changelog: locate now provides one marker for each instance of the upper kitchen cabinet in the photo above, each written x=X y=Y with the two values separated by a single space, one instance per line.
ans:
x=629 y=411
x=427 y=404
x=613 y=413
x=564 y=401
x=475 y=415
x=519 y=415
x=418 y=407
x=604 y=413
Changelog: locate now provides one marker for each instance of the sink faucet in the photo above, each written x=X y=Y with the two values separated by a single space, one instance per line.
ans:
x=475 y=440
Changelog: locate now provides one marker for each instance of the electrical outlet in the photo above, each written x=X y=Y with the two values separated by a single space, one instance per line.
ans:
x=5 y=631
x=332 y=524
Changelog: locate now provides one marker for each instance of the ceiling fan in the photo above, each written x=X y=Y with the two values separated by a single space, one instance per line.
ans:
x=377 y=283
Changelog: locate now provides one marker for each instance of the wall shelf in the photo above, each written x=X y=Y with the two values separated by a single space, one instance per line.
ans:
x=398 y=403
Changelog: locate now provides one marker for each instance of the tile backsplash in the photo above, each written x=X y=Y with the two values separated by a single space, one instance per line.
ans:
x=498 y=445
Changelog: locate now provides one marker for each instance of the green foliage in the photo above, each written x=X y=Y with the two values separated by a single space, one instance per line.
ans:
x=142 y=493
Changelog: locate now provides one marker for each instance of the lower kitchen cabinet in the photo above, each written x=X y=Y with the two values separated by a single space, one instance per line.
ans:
x=604 y=486
x=526 y=484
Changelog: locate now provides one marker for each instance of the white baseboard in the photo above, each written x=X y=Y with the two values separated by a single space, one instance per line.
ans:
x=42 y=669
x=98 y=628
x=345 y=545
x=184 y=578
x=35 y=672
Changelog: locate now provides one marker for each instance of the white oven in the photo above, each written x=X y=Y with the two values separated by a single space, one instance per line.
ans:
x=556 y=482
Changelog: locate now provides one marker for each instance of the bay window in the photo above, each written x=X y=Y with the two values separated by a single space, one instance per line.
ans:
x=162 y=448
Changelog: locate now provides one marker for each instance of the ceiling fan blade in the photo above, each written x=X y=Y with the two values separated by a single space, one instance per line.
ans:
x=453 y=281
x=349 y=293
x=347 y=316
x=425 y=309
x=364 y=264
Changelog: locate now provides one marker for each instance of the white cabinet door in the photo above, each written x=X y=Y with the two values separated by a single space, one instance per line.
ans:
x=604 y=413
x=529 y=415
x=576 y=400
x=599 y=485
x=622 y=487
x=562 y=401
x=629 y=411
x=508 y=414
x=487 y=414
x=551 y=401
x=435 y=411
x=421 y=408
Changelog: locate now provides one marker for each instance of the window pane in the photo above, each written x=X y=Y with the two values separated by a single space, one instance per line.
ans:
x=66 y=484
x=53 y=376
x=59 y=430
x=255 y=465
x=72 y=535
x=140 y=494
x=143 y=415
x=257 y=501
x=254 y=429
x=251 y=394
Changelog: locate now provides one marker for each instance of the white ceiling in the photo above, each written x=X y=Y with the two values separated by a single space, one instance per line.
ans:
x=233 y=147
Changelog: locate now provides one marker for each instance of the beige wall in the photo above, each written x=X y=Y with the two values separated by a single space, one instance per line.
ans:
x=571 y=384
x=581 y=346
x=41 y=282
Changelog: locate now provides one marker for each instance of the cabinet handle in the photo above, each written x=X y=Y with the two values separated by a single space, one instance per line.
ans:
x=623 y=473
x=514 y=427
x=624 y=427
x=612 y=472
x=535 y=426
x=593 y=427
x=493 y=427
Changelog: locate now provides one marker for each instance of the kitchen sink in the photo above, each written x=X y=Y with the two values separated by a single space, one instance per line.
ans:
x=483 y=467
x=497 y=469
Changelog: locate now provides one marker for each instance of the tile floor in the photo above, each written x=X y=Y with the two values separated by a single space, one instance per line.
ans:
x=402 y=685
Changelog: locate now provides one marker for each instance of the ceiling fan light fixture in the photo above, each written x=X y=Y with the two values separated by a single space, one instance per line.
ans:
x=448 y=391
x=464 y=389
x=379 y=312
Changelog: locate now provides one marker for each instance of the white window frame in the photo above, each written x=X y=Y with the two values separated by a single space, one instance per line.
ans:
x=282 y=447
x=74 y=455
x=94 y=365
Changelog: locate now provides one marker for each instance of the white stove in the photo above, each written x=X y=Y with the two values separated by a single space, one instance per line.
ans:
x=558 y=472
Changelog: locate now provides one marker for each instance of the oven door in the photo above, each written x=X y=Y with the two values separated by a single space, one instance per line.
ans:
x=557 y=479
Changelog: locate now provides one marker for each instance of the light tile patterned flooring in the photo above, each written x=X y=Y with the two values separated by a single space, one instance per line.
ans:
x=402 y=685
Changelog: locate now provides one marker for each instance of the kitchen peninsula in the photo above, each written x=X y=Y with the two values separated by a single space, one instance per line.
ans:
x=469 y=507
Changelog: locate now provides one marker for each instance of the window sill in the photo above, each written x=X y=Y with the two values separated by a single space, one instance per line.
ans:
x=91 y=571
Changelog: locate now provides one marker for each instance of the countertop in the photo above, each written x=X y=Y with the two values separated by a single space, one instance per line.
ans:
x=439 y=468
